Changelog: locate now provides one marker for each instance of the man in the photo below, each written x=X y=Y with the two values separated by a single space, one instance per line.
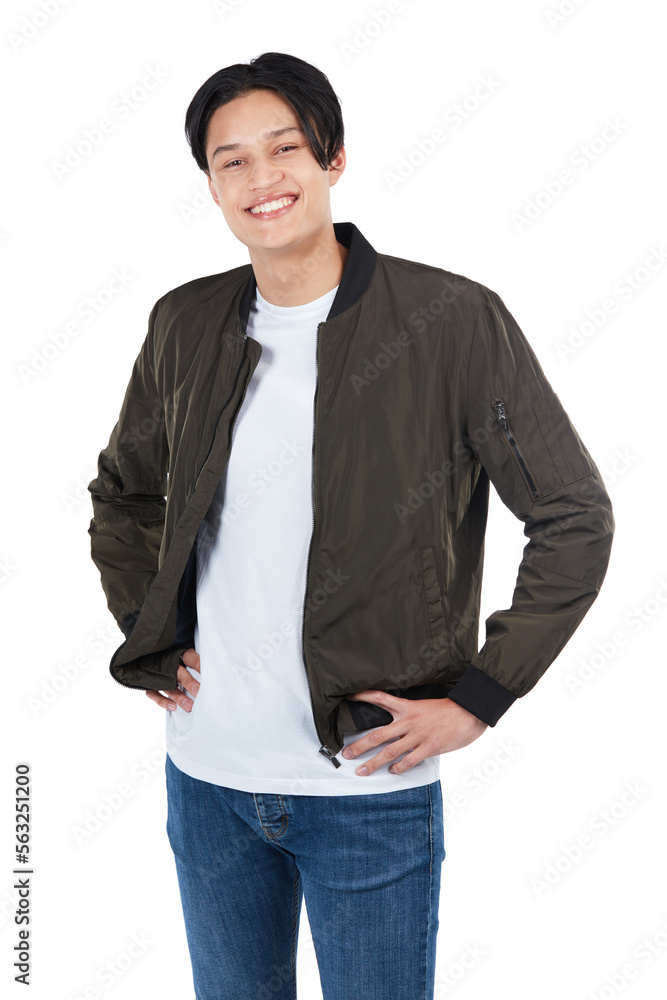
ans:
x=289 y=521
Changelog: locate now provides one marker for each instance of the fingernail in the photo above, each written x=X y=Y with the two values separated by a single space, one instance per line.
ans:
x=362 y=770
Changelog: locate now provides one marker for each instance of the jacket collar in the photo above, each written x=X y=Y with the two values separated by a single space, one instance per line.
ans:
x=356 y=277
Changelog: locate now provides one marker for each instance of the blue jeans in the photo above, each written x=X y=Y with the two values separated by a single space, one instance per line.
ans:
x=368 y=865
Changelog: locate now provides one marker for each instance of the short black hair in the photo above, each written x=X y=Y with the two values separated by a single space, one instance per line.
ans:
x=302 y=85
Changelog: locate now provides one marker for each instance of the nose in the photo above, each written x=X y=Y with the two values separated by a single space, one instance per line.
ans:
x=263 y=174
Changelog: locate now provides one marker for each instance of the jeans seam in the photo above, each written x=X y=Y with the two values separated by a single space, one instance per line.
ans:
x=430 y=829
x=429 y=924
x=295 y=913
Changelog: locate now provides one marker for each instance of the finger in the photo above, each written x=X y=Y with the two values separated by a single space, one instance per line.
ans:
x=162 y=700
x=405 y=764
x=171 y=700
x=376 y=696
x=369 y=742
x=190 y=658
x=387 y=756
x=187 y=681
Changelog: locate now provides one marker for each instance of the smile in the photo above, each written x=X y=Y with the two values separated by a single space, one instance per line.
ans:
x=272 y=209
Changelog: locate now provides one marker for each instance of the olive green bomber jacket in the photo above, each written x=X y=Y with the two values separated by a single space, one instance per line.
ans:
x=427 y=392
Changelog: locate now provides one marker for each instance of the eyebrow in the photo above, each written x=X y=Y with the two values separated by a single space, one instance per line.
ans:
x=270 y=135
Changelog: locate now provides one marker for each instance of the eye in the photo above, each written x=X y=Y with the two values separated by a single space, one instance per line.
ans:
x=232 y=162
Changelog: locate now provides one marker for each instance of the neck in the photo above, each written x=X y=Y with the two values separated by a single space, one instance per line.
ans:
x=301 y=273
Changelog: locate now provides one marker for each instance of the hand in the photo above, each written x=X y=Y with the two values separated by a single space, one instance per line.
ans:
x=426 y=728
x=171 y=699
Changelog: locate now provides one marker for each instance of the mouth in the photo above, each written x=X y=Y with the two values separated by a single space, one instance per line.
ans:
x=273 y=209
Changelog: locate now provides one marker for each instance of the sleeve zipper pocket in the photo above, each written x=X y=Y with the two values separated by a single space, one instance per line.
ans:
x=499 y=407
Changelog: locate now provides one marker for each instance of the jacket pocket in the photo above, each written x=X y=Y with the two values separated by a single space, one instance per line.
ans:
x=517 y=452
x=435 y=616
x=569 y=459
x=546 y=448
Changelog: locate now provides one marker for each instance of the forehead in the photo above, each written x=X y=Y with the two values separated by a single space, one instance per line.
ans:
x=250 y=119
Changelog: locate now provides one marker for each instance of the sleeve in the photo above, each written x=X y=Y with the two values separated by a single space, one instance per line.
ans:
x=524 y=441
x=129 y=493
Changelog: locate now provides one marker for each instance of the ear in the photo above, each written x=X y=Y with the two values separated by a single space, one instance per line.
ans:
x=337 y=166
x=211 y=188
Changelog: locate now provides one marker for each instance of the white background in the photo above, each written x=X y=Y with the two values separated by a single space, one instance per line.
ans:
x=574 y=753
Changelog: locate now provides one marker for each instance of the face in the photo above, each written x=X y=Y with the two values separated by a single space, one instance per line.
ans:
x=262 y=168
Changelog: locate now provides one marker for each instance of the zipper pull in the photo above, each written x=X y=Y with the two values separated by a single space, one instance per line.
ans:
x=328 y=752
x=500 y=410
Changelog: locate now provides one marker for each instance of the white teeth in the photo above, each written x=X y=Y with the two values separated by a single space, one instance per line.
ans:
x=271 y=206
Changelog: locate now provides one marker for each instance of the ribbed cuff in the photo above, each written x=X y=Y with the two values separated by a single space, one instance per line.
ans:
x=481 y=695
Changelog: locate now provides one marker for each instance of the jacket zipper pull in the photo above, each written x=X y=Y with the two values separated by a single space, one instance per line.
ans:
x=328 y=752
x=500 y=408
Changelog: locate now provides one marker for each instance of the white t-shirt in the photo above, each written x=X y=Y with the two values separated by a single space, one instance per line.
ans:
x=251 y=726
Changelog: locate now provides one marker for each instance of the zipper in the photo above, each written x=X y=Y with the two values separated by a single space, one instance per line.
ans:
x=499 y=407
x=324 y=749
x=136 y=687
x=217 y=420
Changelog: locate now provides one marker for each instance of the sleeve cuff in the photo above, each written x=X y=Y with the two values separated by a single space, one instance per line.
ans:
x=481 y=695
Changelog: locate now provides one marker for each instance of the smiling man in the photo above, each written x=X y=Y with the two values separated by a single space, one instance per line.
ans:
x=268 y=173
x=289 y=521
